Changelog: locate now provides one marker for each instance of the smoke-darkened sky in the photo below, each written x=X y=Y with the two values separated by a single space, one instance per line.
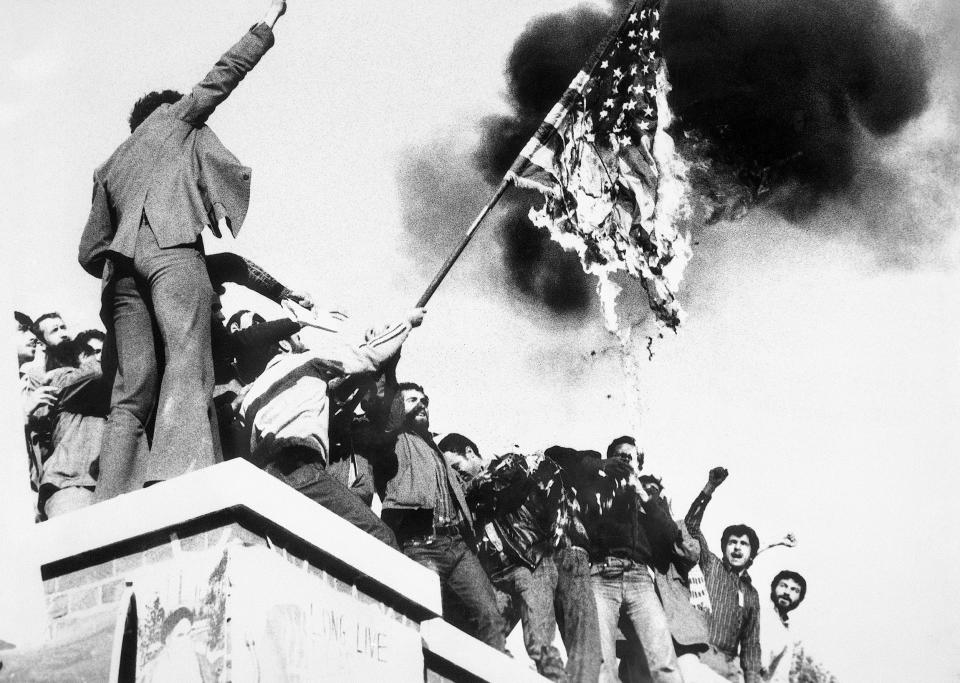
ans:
x=791 y=102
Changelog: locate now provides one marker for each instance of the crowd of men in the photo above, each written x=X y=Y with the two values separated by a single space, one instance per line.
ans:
x=558 y=540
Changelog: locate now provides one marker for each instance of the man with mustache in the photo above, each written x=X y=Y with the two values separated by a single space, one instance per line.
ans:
x=787 y=591
x=735 y=604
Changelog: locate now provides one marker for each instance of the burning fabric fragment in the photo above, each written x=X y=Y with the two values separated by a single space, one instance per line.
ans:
x=613 y=184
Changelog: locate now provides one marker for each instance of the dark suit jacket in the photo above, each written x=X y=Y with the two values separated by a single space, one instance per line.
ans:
x=173 y=169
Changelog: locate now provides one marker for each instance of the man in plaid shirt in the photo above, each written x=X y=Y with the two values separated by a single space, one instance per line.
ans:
x=735 y=604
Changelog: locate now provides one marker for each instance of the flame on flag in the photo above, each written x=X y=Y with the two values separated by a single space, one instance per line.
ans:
x=613 y=184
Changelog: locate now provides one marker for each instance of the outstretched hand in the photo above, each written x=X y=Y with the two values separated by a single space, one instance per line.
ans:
x=302 y=298
x=790 y=540
x=276 y=10
x=415 y=317
x=717 y=476
x=299 y=313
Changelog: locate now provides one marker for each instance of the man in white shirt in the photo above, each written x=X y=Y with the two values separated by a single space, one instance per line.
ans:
x=787 y=591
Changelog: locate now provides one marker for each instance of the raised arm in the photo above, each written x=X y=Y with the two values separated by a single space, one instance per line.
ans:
x=227 y=267
x=788 y=541
x=349 y=359
x=230 y=69
x=584 y=466
x=698 y=507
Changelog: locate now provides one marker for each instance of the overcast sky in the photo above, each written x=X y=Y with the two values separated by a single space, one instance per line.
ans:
x=824 y=378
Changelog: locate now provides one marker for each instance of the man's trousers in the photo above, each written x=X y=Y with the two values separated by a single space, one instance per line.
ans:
x=576 y=611
x=531 y=599
x=463 y=581
x=312 y=480
x=621 y=585
x=156 y=308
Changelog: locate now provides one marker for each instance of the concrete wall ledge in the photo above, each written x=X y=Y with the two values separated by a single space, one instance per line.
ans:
x=471 y=659
x=236 y=488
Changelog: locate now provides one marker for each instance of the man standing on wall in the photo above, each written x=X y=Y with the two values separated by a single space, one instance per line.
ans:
x=151 y=200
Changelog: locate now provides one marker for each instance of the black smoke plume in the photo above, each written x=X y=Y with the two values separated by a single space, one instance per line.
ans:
x=539 y=268
x=783 y=94
x=776 y=101
x=541 y=65
x=775 y=98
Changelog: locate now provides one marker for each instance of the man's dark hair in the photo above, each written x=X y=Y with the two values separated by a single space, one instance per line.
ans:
x=457 y=443
x=24 y=324
x=237 y=318
x=82 y=340
x=741 y=530
x=45 y=316
x=792 y=575
x=405 y=386
x=619 y=441
x=148 y=103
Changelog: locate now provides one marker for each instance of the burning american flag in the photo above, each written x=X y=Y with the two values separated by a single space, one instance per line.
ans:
x=612 y=182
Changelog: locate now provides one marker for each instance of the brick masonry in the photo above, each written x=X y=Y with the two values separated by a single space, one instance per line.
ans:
x=95 y=588
x=81 y=592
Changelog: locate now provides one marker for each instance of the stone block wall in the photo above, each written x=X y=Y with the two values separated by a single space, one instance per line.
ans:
x=80 y=589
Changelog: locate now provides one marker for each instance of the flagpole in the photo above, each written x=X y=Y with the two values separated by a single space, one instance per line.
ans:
x=555 y=114
x=448 y=264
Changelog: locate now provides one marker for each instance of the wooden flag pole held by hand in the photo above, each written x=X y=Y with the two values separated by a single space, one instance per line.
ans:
x=448 y=264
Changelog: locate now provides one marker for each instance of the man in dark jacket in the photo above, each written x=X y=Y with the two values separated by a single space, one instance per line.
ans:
x=425 y=506
x=576 y=606
x=151 y=200
x=628 y=529
x=518 y=501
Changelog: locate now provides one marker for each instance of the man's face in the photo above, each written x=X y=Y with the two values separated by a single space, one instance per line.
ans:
x=97 y=346
x=629 y=454
x=467 y=463
x=216 y=312
x=415 y=408
x=27 y=344
x=54 y=331
x=737 y=551
x=786 y=595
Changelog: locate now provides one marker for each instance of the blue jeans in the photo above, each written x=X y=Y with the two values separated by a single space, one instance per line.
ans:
x=577 y=615
x=624 y=586
x=463 y=581
x=157 y=307
x=531 y=598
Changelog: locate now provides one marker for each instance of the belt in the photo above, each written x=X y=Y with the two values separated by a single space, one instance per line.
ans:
x=615 y=565
x=439 y=531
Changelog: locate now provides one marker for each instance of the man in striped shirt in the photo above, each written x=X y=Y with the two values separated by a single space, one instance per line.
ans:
x=735 y=604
